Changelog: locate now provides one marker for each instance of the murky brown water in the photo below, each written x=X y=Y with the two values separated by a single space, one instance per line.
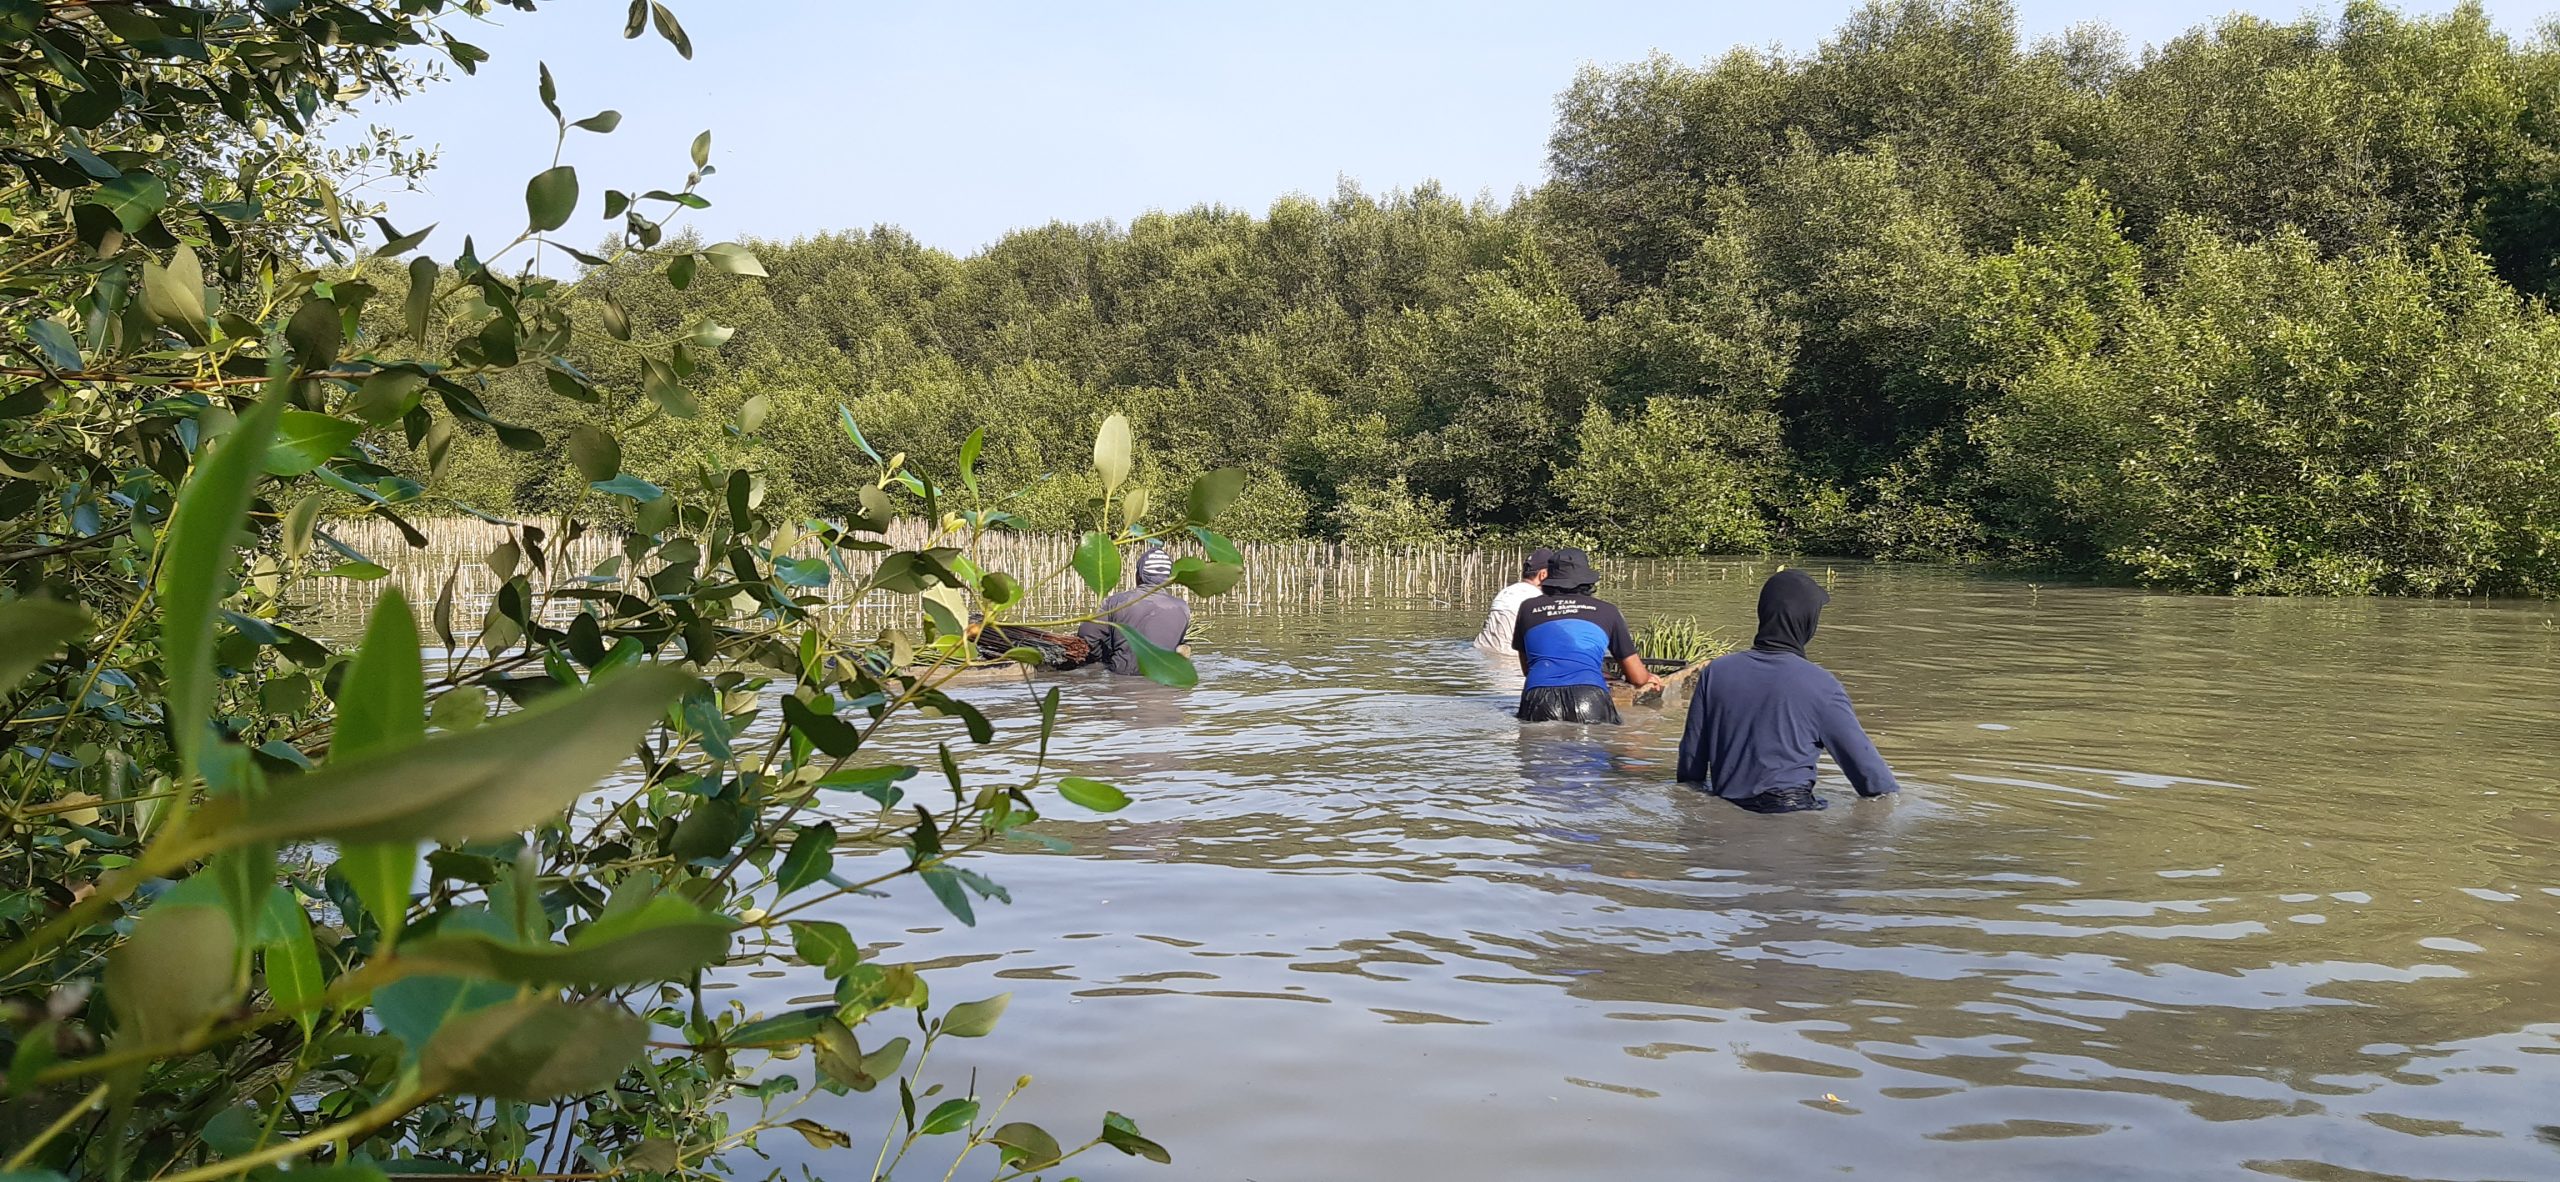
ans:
x=2179 y=888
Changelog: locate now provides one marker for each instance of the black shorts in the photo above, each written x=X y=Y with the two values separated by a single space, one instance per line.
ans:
x=1567 y=703
x=1784 y=800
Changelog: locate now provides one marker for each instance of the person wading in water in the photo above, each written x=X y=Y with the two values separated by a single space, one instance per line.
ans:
x=1504 y=619
x=1758 y=715
x=1566 y=638
x=1149 y=609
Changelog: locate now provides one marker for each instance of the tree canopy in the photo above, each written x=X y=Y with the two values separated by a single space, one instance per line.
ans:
x=1824 y=301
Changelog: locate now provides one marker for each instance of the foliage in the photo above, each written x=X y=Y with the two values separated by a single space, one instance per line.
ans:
x=1680 y=638
x=1679 y=478
x=361 y=910
x=1842 y=269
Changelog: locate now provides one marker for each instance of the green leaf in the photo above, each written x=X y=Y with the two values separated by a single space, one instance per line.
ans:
x=307 y=439
x=702 y=149
x=1162 y=666
x=1112 y=450
x=659 y=381
x=290 y=960
x=388 y=395
x=601 y=123
x=845 y=413
x=1211 y=494
x=1206 y=579
x=549 y=91
x=947 y=891
x=708 y=335
x=666 y=939
x=628 y=485
x=382 y=702
x=975 y=1019
x=32 y=630
x=597 y=455
x=831 y=734
x=422 y=296
x=681 y=270
x=729 y=258
x=1026 y=1146
x=317 y=329
x=482 y=784
x=197 y=557
x=60 y=349
x=1093 y=794
x=798 y=1026
x=362 y=572
x=969 y=450
x=824 y=945
x=300 y=522
x=395 y=245
x=1121 y=1133
x=636 y=20
x=173 y=974
x=877 y=783
x=382 y=709
x=1098 y=562
x=674 y=33
x=950 y=1116
x=551 y=196
x=534 y=1050
x=173 y=296
x=135 y=198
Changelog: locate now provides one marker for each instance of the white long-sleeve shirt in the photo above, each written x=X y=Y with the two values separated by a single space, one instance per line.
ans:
x=1498 y=623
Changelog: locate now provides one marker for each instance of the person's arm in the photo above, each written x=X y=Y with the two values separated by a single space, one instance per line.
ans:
x=1849 y=746
x=1697 y=742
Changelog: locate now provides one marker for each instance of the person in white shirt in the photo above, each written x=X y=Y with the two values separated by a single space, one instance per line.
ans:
x=1498 y=623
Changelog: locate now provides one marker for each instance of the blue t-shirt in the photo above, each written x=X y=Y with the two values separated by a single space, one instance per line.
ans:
x=1568 y=638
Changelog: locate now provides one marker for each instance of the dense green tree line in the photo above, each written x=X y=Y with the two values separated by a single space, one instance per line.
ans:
x=2263 y=308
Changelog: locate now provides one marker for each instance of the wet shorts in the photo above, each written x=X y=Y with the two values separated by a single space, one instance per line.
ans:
x=1567 y=703
x=1784 y=800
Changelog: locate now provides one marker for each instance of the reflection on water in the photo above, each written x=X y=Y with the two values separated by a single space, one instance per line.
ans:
x=2178 y=888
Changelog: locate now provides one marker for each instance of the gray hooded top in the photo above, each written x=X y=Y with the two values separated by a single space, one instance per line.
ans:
x=1150 y=609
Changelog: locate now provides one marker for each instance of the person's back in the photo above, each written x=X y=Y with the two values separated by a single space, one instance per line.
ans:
x=1504 y=618
x=1149 y=609
x=1761 y=717
x=1567 y=637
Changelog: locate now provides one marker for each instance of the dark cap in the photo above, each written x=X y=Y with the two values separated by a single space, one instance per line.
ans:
x=1536 y=561
x=1568 y=569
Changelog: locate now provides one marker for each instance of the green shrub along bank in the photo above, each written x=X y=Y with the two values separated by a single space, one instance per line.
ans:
x=2258 y=309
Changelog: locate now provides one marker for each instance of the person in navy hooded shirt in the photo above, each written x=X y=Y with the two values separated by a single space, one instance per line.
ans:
x=1758 y=715
x=1566 y=639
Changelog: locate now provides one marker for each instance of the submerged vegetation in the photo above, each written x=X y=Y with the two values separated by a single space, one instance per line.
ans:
x=2258 y=309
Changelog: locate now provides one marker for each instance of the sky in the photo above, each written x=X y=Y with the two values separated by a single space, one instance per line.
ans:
x=959 y=122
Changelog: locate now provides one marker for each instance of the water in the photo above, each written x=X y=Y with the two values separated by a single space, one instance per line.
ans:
x=2178 y=888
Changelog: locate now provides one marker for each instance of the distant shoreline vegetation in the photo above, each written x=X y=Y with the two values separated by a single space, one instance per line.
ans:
x=2263 y=309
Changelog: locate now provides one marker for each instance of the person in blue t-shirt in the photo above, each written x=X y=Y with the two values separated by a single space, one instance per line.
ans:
x=1759 y=716
x=1566 y=638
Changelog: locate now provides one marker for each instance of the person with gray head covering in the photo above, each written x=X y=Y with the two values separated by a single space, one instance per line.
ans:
x=1498 y=623
x=1150 y=609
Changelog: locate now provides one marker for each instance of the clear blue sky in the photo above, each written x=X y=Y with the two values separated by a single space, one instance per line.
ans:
x=961 y=121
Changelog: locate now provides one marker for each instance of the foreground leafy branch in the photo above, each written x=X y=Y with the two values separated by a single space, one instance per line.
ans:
x=386 y=909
